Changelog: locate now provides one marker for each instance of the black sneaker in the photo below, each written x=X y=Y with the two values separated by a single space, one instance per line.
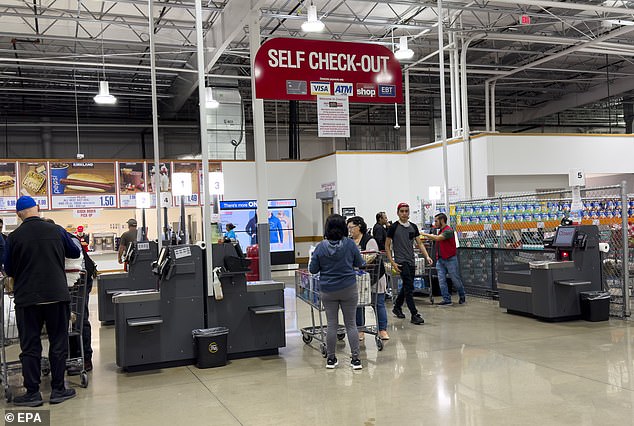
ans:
x=58 y=396
x=462 y=300
x=398 y=312
x=445 y=303
x=29 y=399
x=417 y=319
x=332 y=362
x=355 y=363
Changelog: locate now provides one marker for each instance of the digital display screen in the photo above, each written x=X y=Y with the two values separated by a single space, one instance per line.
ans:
x=565 y=236
x=242 y=214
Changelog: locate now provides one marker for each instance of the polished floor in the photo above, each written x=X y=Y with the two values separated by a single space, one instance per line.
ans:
x=468 y=365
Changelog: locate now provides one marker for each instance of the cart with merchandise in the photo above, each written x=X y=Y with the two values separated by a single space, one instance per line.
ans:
x=367 y=281
x=422 y=278
x=75 y=362
x=307 y=289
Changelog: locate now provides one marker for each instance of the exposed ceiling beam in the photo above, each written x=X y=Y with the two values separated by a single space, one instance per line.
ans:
x=228 y=25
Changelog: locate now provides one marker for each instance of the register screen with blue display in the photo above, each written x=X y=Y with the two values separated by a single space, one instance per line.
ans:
x=242 y=214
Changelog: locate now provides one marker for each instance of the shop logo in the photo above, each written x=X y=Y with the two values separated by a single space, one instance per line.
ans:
x=319 y=88
x=387 y=90
x=344 y=89
x=366 y=89
x=213 y=347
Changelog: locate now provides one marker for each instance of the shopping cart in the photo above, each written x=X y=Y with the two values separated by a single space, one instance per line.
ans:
x=367 y=281
x=76 y=357
x=422 y=278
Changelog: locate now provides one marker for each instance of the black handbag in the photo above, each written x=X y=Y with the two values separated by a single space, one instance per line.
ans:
x=236 y=264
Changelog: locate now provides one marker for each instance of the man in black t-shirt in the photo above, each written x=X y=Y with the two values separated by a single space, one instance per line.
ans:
x=378 y=230
x=400 y=238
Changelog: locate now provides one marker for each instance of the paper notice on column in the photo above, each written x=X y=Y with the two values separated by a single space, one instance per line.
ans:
x=333 y=116
x=577 y=204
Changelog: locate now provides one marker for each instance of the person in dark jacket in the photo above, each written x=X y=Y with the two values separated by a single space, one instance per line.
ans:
x=379 y=231
x=34 y=257
x=335 y=259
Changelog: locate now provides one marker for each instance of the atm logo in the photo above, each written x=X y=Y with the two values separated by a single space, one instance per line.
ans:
x=346 y=89
x=319 y=88
x=366 y=89
x=387 y=90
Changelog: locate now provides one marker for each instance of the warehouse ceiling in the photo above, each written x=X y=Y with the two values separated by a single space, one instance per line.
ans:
x=571 y=65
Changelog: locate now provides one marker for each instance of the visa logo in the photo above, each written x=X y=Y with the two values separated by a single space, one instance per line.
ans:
x=344 y=89
x=387 y=90
x=319 y=88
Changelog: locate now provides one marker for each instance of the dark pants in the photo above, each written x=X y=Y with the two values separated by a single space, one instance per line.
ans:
x=407 y=289
x=30 y=320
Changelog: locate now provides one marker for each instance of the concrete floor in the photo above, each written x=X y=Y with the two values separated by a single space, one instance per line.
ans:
x=468 y=365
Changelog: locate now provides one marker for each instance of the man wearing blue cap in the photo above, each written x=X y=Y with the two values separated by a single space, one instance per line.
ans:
x=34 y=256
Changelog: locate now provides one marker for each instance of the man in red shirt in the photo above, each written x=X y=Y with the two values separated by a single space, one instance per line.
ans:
x=84 y=239
x=446 y=259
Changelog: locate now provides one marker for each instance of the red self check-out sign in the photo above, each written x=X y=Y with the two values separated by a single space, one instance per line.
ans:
x=300 y=69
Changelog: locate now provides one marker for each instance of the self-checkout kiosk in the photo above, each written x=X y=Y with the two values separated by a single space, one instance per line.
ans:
x=153 y=328
x=549 y=290
x=252 y=311
x=139 y=257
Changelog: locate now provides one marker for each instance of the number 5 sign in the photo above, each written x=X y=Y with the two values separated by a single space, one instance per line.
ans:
x=576 y=177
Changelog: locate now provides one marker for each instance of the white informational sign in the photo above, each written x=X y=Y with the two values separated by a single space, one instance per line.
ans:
x=333 y=116
x=576 y=177
x=7 y=203
x=577 y=204
x=86 y=213
x=143 y=200
x=166 y=199
x=216 y=183
x=181 y=184
x=127 y=201
x=182 y=252
x=83 y=201
x=435 y=193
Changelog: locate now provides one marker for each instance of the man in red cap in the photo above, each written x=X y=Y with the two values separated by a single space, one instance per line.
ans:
x=400 y=238
x=84 y=239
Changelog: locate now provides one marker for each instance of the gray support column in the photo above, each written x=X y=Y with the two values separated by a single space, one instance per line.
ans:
x=155 y=131
x=47 y=139
x=204 y=142
x=261 y=180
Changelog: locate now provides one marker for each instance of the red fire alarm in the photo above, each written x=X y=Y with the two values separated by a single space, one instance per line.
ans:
x=525 y=20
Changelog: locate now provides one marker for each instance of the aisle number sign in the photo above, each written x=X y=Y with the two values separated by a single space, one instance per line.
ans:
x=576 y=177
x=301 y=69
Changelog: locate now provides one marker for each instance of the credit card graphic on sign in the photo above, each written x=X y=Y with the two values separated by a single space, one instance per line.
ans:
x=296 y=87
x=320 y=88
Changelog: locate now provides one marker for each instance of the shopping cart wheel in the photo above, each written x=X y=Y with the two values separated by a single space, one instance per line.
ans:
x=46 y=370
x=324 y=352
x=379 y=343
x=307 y=338
x=341 y=336
x=83 y=379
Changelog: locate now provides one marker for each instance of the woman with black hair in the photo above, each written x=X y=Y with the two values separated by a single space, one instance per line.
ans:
x=358 y=231
x=335 y=259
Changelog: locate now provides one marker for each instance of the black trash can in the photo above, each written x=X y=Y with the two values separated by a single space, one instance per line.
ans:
x=211 y=346
x=595 y=305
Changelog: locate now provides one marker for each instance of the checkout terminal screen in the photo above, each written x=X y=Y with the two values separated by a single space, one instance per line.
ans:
x=565 y=236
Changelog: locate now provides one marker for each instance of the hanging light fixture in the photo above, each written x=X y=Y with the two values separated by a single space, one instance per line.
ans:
x=210 y=102
x=312 y=24
x=104 y=97
x=403 y=52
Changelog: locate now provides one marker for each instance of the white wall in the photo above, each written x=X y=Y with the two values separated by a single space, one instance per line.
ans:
x=373 y=182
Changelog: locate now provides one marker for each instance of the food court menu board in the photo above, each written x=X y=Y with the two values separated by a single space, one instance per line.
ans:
x=7 y=186
x=131 y=180
x=164 y=172
x=33 y=181
x=78 y=185
x=192 y=170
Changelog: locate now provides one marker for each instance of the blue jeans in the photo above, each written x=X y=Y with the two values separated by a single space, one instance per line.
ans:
x=449 y=266
x=381 y=312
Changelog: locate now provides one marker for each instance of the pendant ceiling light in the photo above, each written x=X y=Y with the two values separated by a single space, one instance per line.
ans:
x=104 y=97
x=403 y=52
x=312 y=24
x=210 y=102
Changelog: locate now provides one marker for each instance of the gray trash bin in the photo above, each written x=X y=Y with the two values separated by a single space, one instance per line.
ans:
x=211 y=346
x=595 y=305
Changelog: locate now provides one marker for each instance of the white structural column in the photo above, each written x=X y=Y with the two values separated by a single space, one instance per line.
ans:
x=408 y=118
x=261 y=179
x=487 y=105
x=492 y=107
x=155 y=134
x=204 y=140
x=452 y=86
x=443 y=103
